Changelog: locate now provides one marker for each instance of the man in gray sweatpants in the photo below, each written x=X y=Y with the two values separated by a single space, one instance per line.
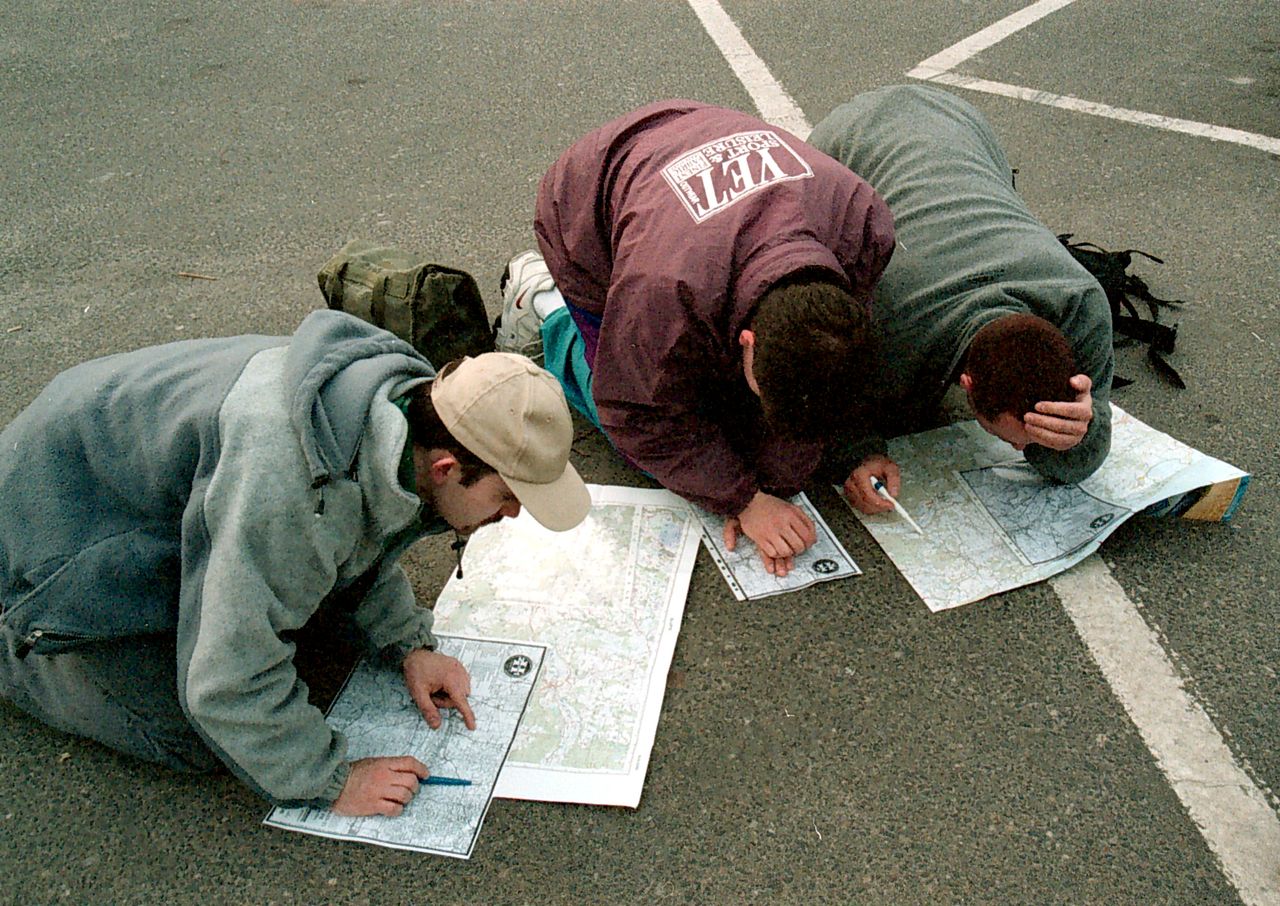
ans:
x=171 y=517
x=978 y=293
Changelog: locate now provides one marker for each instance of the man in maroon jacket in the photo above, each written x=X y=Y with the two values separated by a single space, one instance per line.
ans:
x=717 y=272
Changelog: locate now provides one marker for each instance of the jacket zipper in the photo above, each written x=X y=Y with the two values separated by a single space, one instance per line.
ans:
x=24 y=647
x=36 y=636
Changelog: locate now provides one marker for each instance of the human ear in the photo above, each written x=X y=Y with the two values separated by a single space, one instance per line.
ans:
x=442 y=466
x=966 y=382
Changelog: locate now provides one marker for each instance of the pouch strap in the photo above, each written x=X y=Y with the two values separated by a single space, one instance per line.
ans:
x=333 y=286
x=378 y=303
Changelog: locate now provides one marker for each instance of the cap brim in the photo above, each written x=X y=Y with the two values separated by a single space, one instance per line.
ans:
x=558 y=505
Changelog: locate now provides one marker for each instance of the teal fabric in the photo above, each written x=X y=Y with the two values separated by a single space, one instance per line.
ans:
x=408 y=472
x=565 y=356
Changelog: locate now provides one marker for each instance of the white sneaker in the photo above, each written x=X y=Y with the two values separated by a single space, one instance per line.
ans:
x=519 y=329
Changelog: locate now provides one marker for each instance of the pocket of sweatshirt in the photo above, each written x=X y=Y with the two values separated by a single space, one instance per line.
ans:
x=122 y=585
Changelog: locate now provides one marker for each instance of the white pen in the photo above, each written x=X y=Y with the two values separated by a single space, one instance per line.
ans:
x=884 y=492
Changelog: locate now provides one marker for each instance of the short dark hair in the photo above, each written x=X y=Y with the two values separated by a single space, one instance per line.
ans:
x=1015 y=362
x=429 y=432
x=814 y=357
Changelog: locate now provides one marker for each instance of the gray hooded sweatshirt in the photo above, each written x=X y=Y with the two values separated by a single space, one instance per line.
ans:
x=970 y=251
x=221 y=489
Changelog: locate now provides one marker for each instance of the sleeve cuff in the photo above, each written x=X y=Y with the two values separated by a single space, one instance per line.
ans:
x=333 y=789
x=398 y=651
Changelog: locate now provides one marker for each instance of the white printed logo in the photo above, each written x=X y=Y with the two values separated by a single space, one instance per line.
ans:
x=712 y=177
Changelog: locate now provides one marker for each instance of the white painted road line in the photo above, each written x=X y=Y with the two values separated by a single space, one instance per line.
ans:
x=774 y=104
x=938 y=69
x=1065 y=102
x=1232 y=814
x=976 y=43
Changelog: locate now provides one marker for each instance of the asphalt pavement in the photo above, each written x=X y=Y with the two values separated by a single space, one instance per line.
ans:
x=838 y=745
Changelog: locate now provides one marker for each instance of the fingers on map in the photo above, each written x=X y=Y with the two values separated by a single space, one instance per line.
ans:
x=744 y=569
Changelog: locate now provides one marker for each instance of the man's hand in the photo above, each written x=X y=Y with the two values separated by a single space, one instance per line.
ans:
x=438 y=681
x=380 y=786
x=1060 y=426
x=858 y=488
x=779 y=529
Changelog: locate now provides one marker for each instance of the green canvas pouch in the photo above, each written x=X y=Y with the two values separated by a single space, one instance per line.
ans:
x=436 y=309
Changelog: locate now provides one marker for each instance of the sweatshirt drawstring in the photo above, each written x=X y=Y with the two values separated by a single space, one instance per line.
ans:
x=318 y=486
x=458 y=544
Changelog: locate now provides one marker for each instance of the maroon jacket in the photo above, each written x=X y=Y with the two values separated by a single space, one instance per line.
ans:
x=666 y=226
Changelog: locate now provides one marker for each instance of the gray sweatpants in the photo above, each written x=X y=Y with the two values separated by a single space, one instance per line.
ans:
x=121 y=693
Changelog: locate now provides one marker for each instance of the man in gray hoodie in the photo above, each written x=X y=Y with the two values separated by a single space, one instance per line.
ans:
x=171 y=517
x=979 y=293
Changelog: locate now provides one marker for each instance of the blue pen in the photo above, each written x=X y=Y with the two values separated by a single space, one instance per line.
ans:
x=437 y=780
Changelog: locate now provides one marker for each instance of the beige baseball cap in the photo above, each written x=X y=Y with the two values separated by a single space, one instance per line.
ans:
x=513 y=415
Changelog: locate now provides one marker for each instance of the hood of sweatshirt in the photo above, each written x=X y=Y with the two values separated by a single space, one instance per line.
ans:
x=335 y=365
